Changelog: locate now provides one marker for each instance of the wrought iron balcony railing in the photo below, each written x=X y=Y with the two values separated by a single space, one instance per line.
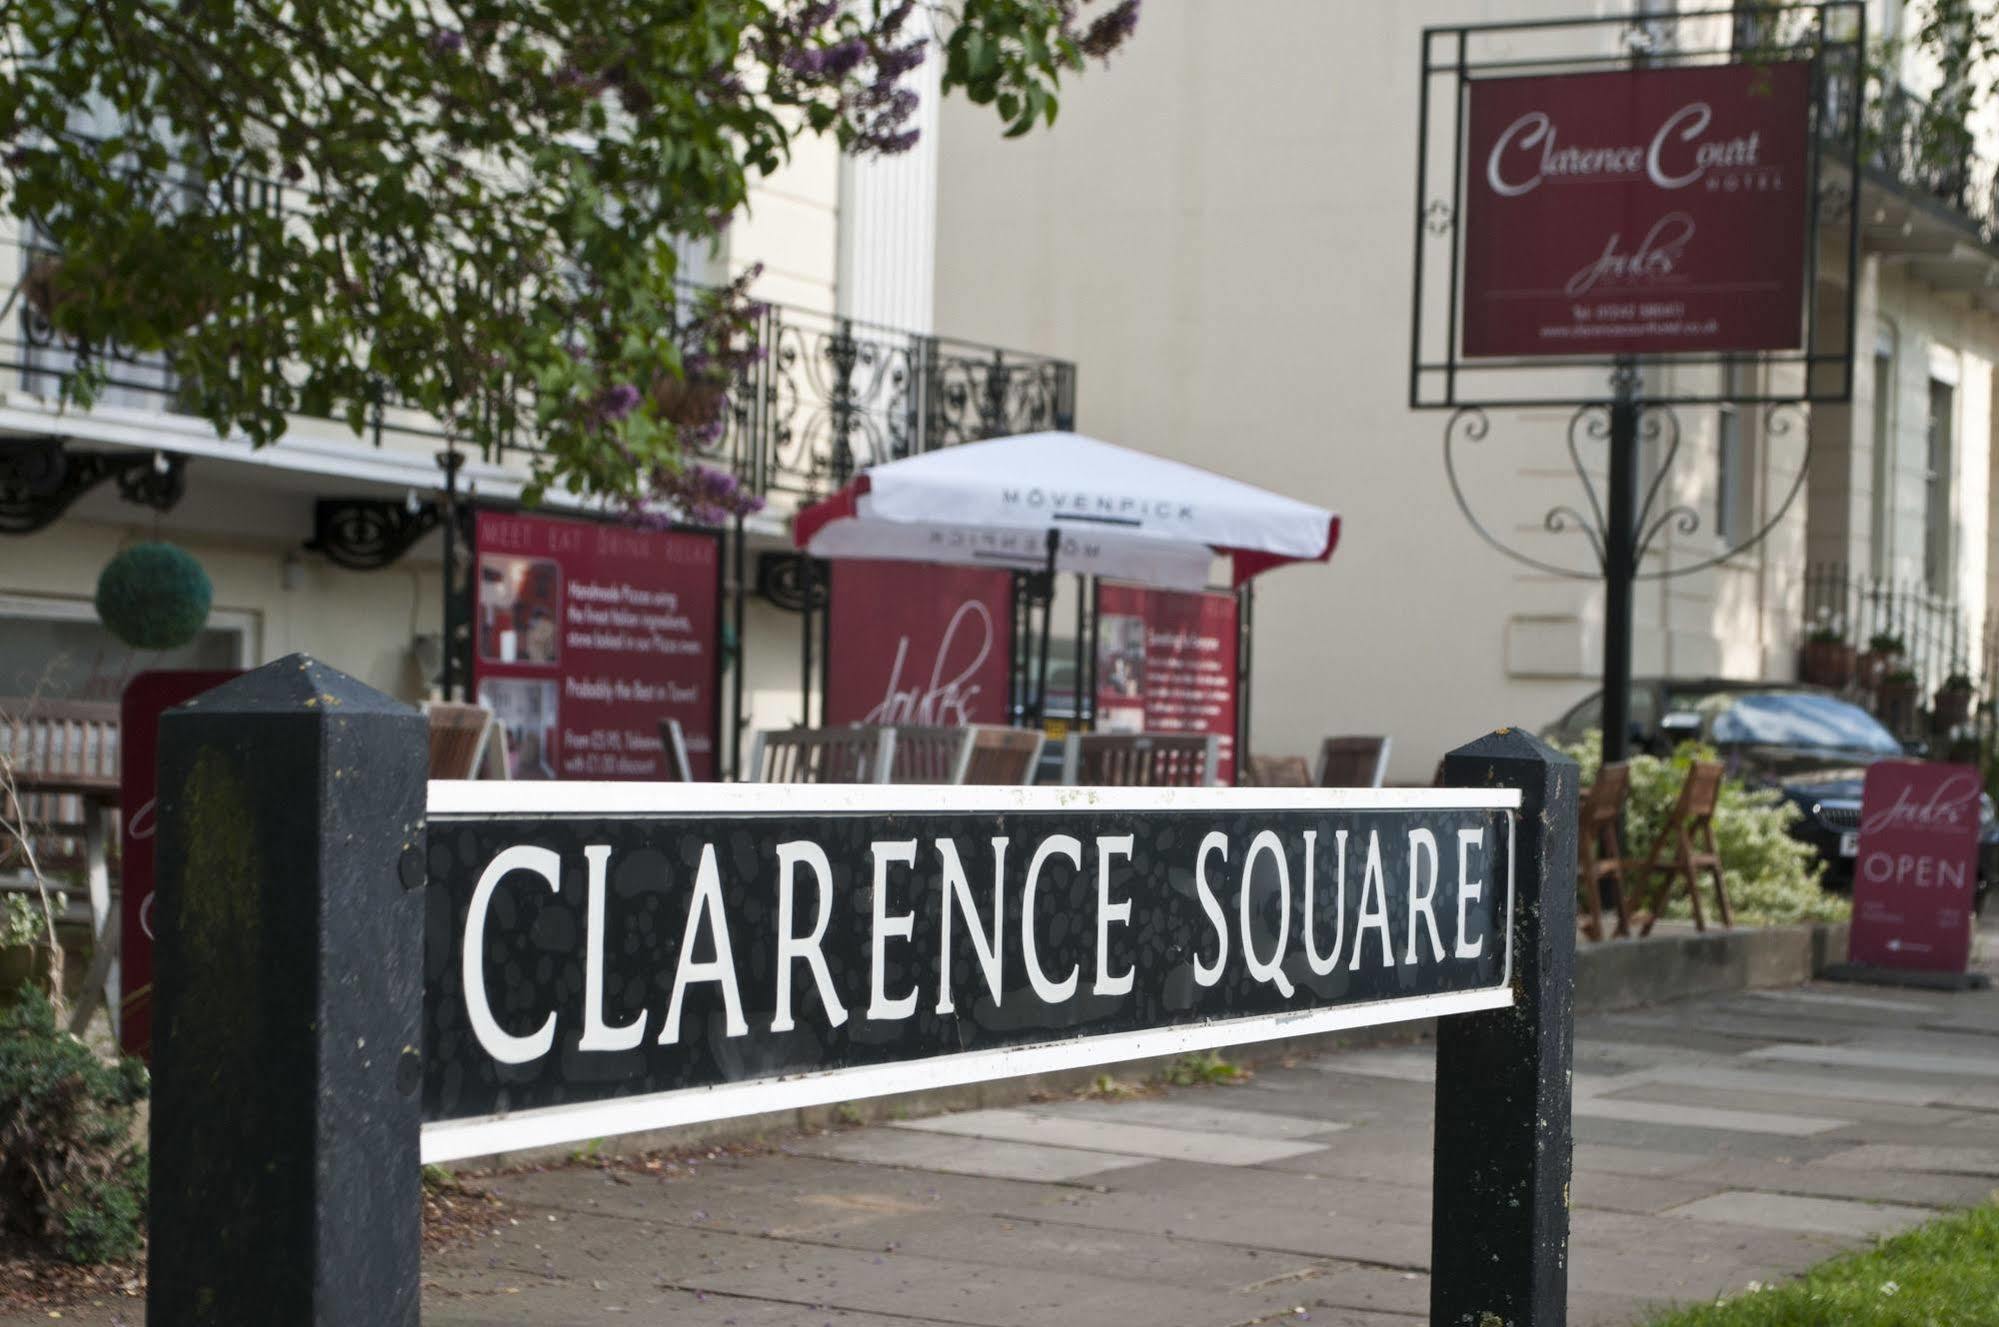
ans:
x=831 y=396
x=1904 y=140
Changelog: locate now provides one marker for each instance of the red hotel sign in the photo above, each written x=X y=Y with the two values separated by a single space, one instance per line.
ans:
x=1638 y=212
x=1917 y=866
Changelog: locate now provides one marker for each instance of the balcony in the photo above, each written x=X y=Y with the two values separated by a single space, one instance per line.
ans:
x=1893 y=139
x=831 y=396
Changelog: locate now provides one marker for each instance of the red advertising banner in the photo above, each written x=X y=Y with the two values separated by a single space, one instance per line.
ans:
x=1644 y=211
x=587 y=635
x=1917 y=866
x=914 y=643
x=1166 y=663
x=146 y=698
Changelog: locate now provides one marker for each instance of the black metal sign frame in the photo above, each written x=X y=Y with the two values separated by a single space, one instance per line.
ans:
x=1831 y=35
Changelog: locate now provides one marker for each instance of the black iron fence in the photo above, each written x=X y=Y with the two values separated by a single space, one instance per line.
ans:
x=1924 y=663
x=831 y=396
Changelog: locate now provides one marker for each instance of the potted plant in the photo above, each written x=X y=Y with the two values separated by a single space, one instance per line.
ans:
x=1829 y=657
x=1953 y=702
x=1882 y=656
x=1895 y=701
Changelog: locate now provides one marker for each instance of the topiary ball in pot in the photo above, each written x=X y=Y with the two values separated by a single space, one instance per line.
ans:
x=154 y=596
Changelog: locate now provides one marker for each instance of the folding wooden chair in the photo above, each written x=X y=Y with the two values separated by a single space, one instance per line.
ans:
x=1353 y=762
x=465 y=742
x=674 y=768
x=1140 y=760
x=1276 y=772
x=823 y=755
x=1690 y=831
x=1600 y=849
x=930 y=755
x=1003 y=757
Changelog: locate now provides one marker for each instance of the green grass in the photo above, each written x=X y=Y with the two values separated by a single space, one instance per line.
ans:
x=1941 y=1274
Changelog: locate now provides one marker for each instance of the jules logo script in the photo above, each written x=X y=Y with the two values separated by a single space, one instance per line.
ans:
x=945 y=702
x=1951 y=806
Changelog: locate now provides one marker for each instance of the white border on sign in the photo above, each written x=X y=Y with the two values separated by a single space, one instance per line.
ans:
x=474 y=797
x=451 y=1140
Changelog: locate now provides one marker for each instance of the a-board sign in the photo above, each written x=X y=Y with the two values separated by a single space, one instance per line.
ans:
x=601 y=959
x=1916 y=869
x=1167 y=663
x=918 y=643
x=1637 y=211
x=146 y=698
x=587 y=634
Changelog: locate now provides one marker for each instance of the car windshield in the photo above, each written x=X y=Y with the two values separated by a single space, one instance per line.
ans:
x=1800 y=719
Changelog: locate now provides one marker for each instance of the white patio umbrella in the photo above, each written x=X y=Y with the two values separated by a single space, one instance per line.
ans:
x=1104 y=510
x=1050 y=502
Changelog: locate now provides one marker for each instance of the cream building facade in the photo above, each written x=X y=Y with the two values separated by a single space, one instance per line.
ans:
x=1220 y=234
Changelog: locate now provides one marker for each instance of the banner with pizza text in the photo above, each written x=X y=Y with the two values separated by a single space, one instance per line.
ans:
x=1167 y=663
x=1637 y=211
x=917 y=643
x=587 y=635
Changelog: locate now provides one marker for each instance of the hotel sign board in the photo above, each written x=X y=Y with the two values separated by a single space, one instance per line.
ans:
x=1637 y=211
x=602 y=958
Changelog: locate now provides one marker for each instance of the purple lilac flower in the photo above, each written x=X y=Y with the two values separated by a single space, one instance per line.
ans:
x=1108 y=30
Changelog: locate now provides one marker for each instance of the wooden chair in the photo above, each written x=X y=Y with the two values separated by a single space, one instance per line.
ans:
x=1690 y=832
x=1353 y=762
x=1003 y=757
x=1276 y=772
x=674 y=766
x=1140 y=760
x=930 y=755
x=466 y=741
x=1600 y=849
x=822 y=755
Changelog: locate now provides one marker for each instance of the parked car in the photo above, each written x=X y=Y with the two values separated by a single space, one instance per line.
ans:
x=1810 y=744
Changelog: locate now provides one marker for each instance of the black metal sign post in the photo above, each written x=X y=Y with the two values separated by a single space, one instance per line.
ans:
x=354 y=973
x=1648 y=276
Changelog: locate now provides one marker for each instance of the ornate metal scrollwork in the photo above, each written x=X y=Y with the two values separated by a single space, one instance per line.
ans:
x=1659 y=430
x=781 y=580
x=367 y=534
x=41 y=478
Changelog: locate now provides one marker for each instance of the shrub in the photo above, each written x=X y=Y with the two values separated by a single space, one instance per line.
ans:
x=71 y=1177
x=1772 y=877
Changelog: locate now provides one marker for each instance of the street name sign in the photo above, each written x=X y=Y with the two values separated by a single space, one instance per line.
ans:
x=604 y=958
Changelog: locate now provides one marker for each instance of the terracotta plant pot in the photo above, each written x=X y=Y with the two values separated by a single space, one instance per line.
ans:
x=1829 y=663
x=1953 y=707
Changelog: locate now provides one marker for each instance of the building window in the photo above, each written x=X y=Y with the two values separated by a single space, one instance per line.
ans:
x=1939 y=573
x=56 y=649
x=1880 y=531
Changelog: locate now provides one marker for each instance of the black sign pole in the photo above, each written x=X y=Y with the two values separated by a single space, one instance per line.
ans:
x=286 y=1185
x=1499 y=1226
x=1620 y=555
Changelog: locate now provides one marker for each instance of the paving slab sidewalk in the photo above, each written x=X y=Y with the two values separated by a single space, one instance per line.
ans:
x=1721 y=1141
